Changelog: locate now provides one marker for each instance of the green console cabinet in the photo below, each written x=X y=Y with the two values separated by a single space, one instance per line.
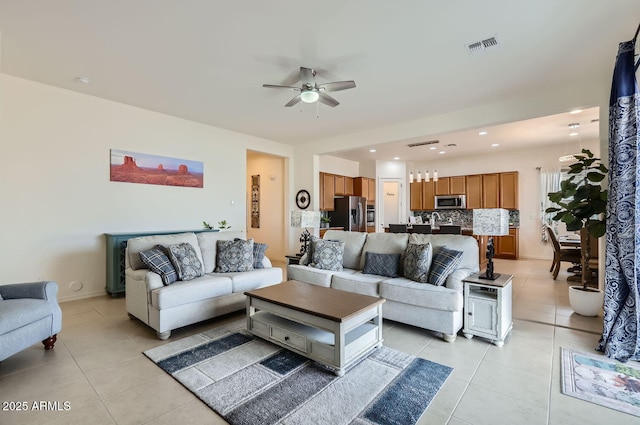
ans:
x=116 y=245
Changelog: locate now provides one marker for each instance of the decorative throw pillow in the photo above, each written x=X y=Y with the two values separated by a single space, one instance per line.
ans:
x=417 y=261
x=258 y=253
x=327 y=255
x=185 y=260
x=157 y=261
x=445 y=261
x=382 y=264
x=234 y=256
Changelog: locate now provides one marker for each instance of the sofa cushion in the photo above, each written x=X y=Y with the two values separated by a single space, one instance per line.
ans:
x=208 y=242
x=234 y=256
x=387 y=265
x=246 y=281
x=407 y=291
x=384 y=243
x=16 y=313
x=198 y=289
x=312 y=275
x=445 y=261
x=417 y=261
x=353 y=244
x=157 y=260
x=358 y=282
x=326 y=255
x=467 y=244
x=135 y=245
x=185 y=260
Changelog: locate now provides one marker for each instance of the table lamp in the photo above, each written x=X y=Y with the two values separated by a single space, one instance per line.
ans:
x=490 y=222
x=304 y=220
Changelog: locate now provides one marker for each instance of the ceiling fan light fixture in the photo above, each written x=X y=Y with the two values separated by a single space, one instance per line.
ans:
x=309 y=96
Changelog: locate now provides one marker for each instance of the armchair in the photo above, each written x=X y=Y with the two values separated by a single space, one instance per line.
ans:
x=29 y=312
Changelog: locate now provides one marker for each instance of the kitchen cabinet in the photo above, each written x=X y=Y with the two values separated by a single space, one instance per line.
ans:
x=371 y=199
x=415 y=196
x=366 y=187
x=428 y=195
x=457 y=185
x=327 y=191
x=339 y=185
x=482 y=248
x=442 y=186
x=507 y=246
x=348 y=186
x=491 y=190
x=509 y=190
x=474 y=191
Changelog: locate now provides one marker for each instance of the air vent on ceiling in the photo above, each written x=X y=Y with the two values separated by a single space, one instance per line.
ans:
x=478 y=47
x=430 y=142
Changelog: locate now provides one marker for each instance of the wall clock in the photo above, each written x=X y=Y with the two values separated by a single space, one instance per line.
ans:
x=303 y=199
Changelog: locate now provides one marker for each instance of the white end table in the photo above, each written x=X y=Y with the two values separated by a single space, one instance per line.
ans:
x=487 y=308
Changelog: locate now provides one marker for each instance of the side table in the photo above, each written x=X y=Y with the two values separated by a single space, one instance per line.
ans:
x=293 y=259
x=487 y=308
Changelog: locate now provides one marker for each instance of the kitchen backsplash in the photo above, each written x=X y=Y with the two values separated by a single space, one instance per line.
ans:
x=463 y=217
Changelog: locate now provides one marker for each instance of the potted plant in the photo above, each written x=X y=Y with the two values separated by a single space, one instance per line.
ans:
x=223 y=225
x=325 y=222
x=582 y=203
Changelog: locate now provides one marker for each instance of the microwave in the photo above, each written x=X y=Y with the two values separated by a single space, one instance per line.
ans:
x=450 y=202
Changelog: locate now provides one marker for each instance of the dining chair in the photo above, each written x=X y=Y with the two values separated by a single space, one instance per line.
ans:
x=398 y=228
x=451 y=230
x=590 y=267
x=421 y=228
x=570 y=255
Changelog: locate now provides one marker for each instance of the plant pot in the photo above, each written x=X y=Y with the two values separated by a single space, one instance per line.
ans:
x=586 y=303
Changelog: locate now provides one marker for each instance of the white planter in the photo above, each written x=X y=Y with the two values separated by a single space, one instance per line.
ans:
x=585 y=303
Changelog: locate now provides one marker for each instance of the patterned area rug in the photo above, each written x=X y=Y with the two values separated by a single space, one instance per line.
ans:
x=602 y=381
x=249 y=381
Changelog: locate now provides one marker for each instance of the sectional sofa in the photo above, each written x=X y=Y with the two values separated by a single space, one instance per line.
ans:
x=437 y=308
x=167 y=307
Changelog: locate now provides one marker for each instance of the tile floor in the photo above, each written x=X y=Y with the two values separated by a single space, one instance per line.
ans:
x=98 y=366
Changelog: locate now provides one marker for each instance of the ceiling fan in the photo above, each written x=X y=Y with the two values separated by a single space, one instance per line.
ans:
x=311 y=92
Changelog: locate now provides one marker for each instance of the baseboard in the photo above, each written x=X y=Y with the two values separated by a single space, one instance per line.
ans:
x=83 y=296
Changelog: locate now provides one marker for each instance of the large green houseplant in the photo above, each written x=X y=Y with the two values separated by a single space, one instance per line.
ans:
x=582 y=203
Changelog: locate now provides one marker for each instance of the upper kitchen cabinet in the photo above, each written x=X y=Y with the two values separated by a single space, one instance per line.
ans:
x=474 y=191
x=348 y=186
x=327 y=191
x=455 y=185
x=428 y=195
x=509 y=190
x=366 y=187
x=490 y=190
x=415 y=196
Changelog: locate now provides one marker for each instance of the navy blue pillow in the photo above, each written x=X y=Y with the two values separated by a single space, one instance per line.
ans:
x=444 y=262
x=382 y=264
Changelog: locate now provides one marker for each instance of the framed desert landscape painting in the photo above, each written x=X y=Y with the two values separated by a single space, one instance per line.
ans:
x=135 y=167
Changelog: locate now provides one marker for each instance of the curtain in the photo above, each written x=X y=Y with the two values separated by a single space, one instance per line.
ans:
x=549 y=182
x=620 y=339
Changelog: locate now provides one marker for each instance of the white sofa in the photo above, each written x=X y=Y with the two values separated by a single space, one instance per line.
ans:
x=182 y=303
x=437 y=308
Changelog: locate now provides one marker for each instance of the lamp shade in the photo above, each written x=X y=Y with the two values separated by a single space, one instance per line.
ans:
x=490 y=221
x=305 y=218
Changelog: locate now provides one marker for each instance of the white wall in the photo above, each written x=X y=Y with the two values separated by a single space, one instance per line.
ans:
x=525 y=162
x=271 y=170
x=57 y=200
x=342 y=167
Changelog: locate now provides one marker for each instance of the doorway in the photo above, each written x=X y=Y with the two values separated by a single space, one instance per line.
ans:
x=391 y=207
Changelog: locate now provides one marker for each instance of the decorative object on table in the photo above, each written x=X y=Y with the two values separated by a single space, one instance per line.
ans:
x=490 y=222
x=135 y=167
x=277 y=385
x=324 y=222
x=305 y=220
x=223 y=225
x=599 y=380
x=621 y=331
x=255 y=201
x=581 y=204
x=303 y=199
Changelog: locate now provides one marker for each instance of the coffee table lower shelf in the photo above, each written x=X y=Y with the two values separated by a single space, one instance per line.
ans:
x=334 y=344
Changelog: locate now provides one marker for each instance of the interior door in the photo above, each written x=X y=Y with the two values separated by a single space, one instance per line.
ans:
x=391 y=195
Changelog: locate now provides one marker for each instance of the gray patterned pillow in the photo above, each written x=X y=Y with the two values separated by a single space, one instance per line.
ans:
x=417 y=261
x=157 y=260
x=234 y=256
x=327 y=255
x=382 y=264
x=445 y=261
x=185 y=260
x=258 y=254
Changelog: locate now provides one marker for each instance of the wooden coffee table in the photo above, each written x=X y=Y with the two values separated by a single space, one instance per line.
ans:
x=327 y=325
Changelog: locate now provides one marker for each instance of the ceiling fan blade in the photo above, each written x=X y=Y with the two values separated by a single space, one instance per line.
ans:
x=293 y=101
x=328 y=100
x=306 y=76
x=337 y=85
x=273 y=86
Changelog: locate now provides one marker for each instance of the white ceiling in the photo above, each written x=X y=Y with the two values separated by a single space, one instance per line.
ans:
x=206 y=61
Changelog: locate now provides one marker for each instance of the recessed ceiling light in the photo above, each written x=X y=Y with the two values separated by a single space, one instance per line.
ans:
x=372 y=150
x=493 y=145
x=441 y=152
x=433 y=148
x=573 y=134
x=574 y=125
x=575 y=111
x=482 y=133
x=83 y=80
x=396 y=158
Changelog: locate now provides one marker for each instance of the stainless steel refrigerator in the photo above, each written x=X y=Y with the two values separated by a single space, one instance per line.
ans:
x=350 y=212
